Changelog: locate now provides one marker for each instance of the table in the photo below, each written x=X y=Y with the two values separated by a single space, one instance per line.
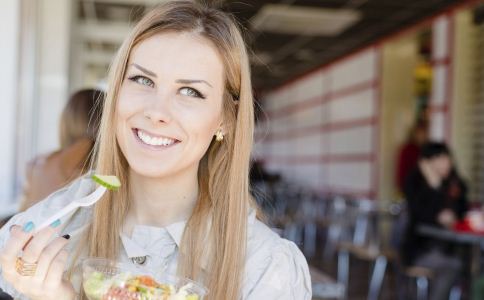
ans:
x=451 y=235
x=473 y=239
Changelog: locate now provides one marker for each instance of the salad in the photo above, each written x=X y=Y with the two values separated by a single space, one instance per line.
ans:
x=105 y=279
x=127 y=286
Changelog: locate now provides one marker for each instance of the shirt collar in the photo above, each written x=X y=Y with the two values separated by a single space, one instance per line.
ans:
x=174 y=230
x=134 y=249
x=131 y=248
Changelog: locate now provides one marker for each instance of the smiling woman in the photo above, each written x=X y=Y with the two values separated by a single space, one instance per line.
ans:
x=169 y=109
x=177 y=129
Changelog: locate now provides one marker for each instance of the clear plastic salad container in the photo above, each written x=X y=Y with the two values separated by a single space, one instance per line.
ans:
x=104 y=279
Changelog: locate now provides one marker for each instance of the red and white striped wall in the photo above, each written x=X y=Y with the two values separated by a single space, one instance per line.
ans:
x=442 y=81
x=322 y=129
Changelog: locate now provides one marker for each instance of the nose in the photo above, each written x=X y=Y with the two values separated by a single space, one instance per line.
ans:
x=158 y=109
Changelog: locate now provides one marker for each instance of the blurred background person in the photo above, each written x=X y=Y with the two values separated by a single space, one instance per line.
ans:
x=437 y=196
x=78 y=130
x=409 y=152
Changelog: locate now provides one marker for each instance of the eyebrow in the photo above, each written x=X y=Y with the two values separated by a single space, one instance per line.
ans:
x=146 y=71
x=182 y=81
x=189 y=81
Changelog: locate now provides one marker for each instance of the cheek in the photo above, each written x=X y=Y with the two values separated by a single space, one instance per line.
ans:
x=129 y=104
x=444 y=168
x=203 y=130
x=126 y=105
x=201 y=125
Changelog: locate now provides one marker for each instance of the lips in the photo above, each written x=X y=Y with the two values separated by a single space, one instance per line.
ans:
x=153 y=140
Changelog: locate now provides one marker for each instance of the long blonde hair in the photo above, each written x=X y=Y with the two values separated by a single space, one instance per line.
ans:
x=220 y=216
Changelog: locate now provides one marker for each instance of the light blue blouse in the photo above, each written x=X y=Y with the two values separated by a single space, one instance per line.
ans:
x=275 y=267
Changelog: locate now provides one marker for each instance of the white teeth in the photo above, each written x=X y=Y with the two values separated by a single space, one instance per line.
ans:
x=154 y=141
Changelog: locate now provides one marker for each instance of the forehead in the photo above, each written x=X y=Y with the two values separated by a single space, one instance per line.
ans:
x=175 y=54
x=442 y=157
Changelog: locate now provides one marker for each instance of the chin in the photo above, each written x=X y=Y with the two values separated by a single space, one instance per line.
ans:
x=152 y=170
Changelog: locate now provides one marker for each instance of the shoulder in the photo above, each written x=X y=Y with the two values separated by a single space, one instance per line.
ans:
x=264 y=245
x=414 y=179
x=411 y=148
x=42 y=160
x=275 y=267
x=415 y=174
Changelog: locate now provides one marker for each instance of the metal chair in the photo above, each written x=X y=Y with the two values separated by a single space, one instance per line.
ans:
x=419 y=277
x=362 y=245
x=337 y=225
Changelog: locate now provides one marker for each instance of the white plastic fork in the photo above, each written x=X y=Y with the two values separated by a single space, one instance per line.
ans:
x=84 y=201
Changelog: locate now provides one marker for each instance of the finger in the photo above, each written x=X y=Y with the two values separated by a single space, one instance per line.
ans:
x=18 y=239
x=47 y=256
x=39 y=241
x=56 y=270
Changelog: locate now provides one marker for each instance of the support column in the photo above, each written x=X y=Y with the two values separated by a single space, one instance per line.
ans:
x=53 y=89
x=442 y=84
x=9 y=33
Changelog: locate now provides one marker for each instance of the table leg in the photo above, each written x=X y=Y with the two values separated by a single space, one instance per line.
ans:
x=476 y=261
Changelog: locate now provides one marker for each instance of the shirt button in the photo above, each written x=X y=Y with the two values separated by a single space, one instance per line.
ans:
x=139 y=260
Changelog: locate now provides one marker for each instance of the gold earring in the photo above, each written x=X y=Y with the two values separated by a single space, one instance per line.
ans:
x=219 y=136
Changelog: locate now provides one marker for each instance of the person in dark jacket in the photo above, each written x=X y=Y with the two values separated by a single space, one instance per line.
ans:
x=436 y=196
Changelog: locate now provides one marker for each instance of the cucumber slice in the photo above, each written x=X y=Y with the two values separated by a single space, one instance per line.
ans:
x=108 y=181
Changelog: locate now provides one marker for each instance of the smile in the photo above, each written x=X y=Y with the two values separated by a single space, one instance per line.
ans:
x=154 y=141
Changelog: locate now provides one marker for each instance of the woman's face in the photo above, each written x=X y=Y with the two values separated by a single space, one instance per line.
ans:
x=442 y=165
x=170 y=103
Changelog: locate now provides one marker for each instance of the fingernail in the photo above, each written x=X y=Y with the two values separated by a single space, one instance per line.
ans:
x=55 y=223
x=28 y=227
x=66 y=236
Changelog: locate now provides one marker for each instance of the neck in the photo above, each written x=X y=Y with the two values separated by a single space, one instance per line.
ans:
x=432 y=177
x=161 y=201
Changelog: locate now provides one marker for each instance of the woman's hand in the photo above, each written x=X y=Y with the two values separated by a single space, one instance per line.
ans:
x=447 y=218
x=47 y=282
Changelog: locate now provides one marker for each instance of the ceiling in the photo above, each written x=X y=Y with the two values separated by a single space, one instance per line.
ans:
x=276 y=56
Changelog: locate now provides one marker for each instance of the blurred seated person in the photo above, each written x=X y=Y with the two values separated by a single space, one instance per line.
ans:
x=435 y=196
x=78 y=130
x=409 y=152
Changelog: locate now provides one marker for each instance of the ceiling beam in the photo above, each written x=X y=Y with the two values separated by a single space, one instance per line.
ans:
x=129 y=2
x=97 y=57
x=108 y=32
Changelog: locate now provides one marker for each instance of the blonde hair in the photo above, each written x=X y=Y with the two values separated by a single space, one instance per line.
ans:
x=219 y=218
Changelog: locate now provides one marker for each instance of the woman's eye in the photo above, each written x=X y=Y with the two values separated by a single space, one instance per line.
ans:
x=186 y=91
x=142 y=80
